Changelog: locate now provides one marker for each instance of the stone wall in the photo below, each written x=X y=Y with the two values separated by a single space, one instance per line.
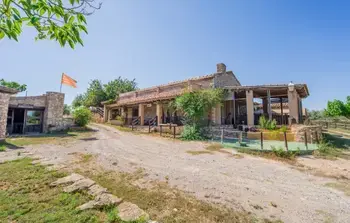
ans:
x=313 y=133
x=35 y=101
x=53 y=116
x=225 y=79
x=4 y=101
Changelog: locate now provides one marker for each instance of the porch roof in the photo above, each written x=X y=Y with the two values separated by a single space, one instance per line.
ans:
x=8 y=90
x=276 y=90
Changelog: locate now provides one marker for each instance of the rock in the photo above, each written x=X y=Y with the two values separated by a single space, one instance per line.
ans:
x=68 y=179
x=108 y=199
x=79 y=185
x=96 y=190
x=100 y=201
x=131 y=212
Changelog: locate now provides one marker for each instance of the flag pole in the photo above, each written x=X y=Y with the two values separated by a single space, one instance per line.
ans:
x=61 y=83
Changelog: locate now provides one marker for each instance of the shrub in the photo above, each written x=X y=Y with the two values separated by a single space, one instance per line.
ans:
x=191 y=132
x=82 y=116
x=280 y=152
x=283 y=128
x=267 y=124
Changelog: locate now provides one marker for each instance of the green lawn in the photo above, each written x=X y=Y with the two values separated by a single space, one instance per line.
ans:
x=25 y=196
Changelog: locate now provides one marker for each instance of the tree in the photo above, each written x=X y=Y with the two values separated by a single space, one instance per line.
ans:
x=12 y=84
x=98 y=93
x=78 y=101
x=58 y=20
x=66 y=109
x=115 y=87
x=95 y=94
x=336 y=108
x=315 y=114
x=194 y=105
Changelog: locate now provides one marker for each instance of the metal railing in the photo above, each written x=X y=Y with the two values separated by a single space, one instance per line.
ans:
x=152 y=123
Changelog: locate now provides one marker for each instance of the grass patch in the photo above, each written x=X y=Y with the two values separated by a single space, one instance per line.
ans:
x=275 y=154
x=198 y=152
x=328 y=149
x=214 y=147
x=342 y=186
x=2 y=148
x=86 y=158
x=164 y=204
x=60 y=138
x=25 y=196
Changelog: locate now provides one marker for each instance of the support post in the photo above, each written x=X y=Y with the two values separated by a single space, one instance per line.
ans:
x=142 y=114
x=285 y=140
x=261 y=140
x=316 y=136
x=234 y=108
x=222 y=135
x=269 y=104
x=161 y=129
x=159 y=113
x=305 y=139
x=12 y=120
x=281 y=99
x=250 y=107
x=174 y=131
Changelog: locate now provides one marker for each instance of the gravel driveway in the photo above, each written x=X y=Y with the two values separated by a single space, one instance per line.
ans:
x=267 y=188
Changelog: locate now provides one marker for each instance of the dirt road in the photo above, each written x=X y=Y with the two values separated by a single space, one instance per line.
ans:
x=267 y=188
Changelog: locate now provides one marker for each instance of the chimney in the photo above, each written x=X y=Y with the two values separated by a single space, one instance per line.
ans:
x=220 y=68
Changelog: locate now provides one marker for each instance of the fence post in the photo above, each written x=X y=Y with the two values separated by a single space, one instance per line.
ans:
x=149 y=127
x=240 y=137
x=161 y=130
x=222 y=135
x=305 y=139
x=132 y=125
x=262 y=140
x=285 y=140
x=317 y=141
x=174 y=131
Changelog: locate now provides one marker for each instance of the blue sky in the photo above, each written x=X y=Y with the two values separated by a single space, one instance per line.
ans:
x=262 y=42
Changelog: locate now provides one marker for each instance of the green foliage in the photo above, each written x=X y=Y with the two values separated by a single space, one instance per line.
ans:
x=283 y=128
x=82 y=116
x=282 y=153
x=338 y=108
x=78 y=101
x=66 y=109
x=195 y=104
x=267 y=124
x=58 y=20
x=315 y=115
x=115 y=87
x=12 y=84
x=2 y=148
x=191 y=132
x=95 y=94
x=98 y=93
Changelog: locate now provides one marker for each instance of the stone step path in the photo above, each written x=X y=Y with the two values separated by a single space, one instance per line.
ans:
x=127 y=211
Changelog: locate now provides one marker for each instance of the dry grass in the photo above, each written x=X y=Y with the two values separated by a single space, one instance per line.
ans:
x=343 y=186
x=214 y=147
x=163 y=203
x=198 y=152
x=61 y=138
x=269 y=155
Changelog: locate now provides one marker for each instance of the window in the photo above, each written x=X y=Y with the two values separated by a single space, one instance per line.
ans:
x=33 y=117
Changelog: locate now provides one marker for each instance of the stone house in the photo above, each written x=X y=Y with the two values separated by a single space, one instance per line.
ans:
x=30 y=114
x=151 y=104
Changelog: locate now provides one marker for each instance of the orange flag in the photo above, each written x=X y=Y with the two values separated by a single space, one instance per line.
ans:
x=67 y=80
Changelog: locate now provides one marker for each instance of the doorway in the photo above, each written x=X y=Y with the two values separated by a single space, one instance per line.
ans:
x=18 y=121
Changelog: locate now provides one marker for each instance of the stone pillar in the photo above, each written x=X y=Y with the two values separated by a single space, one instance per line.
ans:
x=293 y=105
x=129 y=115
x=142 y=114
x=216 y=114
x=159 y=114
x=53 y=114
x=250 y=107
x=4 y=105
x=105 y=115
x=109 y=115
x=220 y=68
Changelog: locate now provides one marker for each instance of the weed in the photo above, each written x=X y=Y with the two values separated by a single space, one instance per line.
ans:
x=2 y=148
x=282 y=153
x=86 y=158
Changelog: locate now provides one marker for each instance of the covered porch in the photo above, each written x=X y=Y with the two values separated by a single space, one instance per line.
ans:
x=241 y=106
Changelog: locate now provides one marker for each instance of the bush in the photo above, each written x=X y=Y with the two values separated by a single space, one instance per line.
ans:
x=280 y=152
x=82 y=116
x=267 y=124
x=283 y=128
x=191 y=132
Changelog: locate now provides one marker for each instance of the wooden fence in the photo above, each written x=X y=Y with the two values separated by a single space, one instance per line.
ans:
x=332 y=124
